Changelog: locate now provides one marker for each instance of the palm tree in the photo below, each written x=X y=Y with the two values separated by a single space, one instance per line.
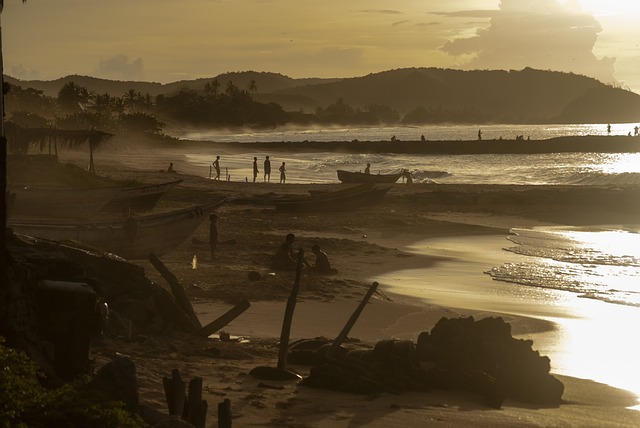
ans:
x=252 y=87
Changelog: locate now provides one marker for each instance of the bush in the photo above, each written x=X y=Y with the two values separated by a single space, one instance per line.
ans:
x=26 y=403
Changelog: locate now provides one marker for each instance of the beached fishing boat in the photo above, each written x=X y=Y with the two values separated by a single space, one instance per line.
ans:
x=351 y=198
x=53 y=202
x=361 y=177
x=132 y=237
x=138 y=198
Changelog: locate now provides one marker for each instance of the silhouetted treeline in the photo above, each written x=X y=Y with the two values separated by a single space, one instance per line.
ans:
x=407 y=96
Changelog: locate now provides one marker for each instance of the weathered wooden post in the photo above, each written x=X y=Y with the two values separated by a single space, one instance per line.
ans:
x=349 y=325
x=224 y=414
x=176 y=289
x=196 y=409
x=224 y=319
x=281 y=372
x=174 y=393
x=288 y=315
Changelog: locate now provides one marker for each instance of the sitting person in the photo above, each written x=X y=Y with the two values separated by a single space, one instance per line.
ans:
x=285 y=259
x=322 y=265
x=170 y=169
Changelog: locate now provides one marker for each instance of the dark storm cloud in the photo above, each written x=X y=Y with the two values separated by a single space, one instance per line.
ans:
x=119 y=67
x=535 y=33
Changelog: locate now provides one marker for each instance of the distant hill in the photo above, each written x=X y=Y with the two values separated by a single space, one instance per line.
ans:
x=500 y=96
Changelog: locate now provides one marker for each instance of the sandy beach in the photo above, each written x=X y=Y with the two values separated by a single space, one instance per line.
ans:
x=364 y=246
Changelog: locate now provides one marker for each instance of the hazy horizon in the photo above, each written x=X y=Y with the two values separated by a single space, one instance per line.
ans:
x=167 y=41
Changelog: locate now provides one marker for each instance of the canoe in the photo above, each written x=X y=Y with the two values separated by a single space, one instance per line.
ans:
x=57 y=202
x=351 y=198
x=139 y=198
x=361 y=177
x=131 y=238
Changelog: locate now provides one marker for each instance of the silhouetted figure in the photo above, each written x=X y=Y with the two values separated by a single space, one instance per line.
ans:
x=255 y=169
x=367 y=170
x=407 y=176
x=283 y=175
x=322 y=265
x=170 y=169
x=635 y=131
x=267 y=169
x=422 y=138
x=213 y=234
x=393 y=138
x=284 y=258
x=479 y=134
x=609 y=129
x=216 y=166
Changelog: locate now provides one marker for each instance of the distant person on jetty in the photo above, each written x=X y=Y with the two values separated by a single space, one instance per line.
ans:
x=213 y=234
x=322 y=265
x=283 y=175
x=635 y=131
x=422 y=138
x=285 y=259
x=216 y=166
x=609 y=129
x=479 y=134
x=255 y=169
x=267 y=169
x=367 y=170
x=170 y=169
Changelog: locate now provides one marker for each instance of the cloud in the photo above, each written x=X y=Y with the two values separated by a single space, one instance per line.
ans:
x=541 y=34
x=19 y=71
x=119 y=67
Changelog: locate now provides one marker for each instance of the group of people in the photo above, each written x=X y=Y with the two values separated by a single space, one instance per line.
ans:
x=266 y=169
x=285 y=258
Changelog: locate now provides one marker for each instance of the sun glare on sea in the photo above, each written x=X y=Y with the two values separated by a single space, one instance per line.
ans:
x=620 y=163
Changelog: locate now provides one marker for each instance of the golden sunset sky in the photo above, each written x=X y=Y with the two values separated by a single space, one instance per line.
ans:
x=170 y=40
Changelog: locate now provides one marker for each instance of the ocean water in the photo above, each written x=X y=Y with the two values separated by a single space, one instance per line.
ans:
x=593 y=273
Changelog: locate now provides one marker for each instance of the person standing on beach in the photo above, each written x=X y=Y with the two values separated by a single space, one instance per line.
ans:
x=267 y=169
x=479 y=134
x=216 y=166
x=213 y=234
x=255 y=168
x=367 y=170
x=283 y=175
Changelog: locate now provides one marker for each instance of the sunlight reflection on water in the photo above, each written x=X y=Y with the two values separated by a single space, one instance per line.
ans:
x=593 y=339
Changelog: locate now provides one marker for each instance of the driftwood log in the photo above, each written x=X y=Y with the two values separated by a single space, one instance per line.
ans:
x=176 y=289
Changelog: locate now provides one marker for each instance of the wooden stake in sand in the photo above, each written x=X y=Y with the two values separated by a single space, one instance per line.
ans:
x=176 y=289
x=288 y=315
x=224 y=319
x=281 y=372
x=349 y=325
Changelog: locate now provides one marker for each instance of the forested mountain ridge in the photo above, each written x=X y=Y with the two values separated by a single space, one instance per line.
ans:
x=410 y=95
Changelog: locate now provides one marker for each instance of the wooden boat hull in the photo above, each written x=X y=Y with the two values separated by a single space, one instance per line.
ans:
x=352 y=198
x=59 y=203
x=138 y=199
x=131 y=238
x=360 y=177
